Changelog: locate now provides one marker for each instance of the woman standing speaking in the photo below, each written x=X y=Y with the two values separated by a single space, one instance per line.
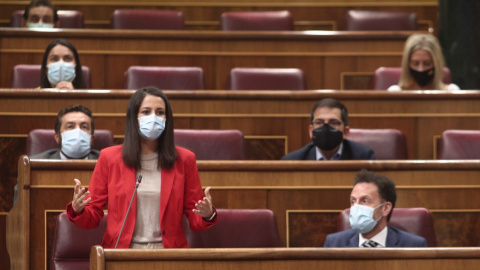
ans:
x=170 y=184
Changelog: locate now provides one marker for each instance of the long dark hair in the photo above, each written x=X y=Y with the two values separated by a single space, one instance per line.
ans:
x=78 y=82
x=167 y=154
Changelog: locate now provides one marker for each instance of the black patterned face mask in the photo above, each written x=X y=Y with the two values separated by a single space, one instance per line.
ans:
x=423 y=77
x=326 y=137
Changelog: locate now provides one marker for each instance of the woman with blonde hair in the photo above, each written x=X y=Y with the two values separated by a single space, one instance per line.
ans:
x=422 y=65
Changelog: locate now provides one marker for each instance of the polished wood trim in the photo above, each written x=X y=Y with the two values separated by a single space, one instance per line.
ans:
x=205 y=34
x=291 y=253
x=262 y=165
x=245 y=94
x=286 y=258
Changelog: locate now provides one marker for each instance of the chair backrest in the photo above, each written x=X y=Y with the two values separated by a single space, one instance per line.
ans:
x=363 y=20
x=386 y=143
x=67 y=19
x=459 y=144
x=71 y=244
x=212 y=144
x=257 y=21
x=385 y=77
x=267 y=79
x=40 y=140
x=148 y=19
x=416 y=221
x=237 y=228
x=181 y=78
x=28 y=76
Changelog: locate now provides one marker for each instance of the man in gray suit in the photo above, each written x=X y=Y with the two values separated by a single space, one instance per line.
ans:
x=74 y=131
x=372 y=201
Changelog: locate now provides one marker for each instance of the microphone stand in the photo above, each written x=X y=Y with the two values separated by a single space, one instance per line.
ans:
x=139 y=180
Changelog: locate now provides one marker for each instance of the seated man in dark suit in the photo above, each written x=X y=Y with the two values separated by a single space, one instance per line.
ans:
x=74 y=134
x=74 y=131
x=372 y=201
x=328 y=131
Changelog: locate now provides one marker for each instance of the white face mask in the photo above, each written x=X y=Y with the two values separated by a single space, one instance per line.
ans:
x=151 y=126
x=76 y=143
x=60 y=71
x=361 y=217
x=40 y=25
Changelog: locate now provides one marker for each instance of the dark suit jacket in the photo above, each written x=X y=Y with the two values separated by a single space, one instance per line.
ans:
x=55 y=154
x=395 y=238
x=351 y=151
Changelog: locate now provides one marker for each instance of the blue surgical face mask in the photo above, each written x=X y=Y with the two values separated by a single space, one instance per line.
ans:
x=151 y=126
x=361 y=218
x=76 y=143
x=60 y=71
x=40 y=25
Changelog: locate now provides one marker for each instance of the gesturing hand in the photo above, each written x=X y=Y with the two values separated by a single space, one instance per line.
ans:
x=204 y=207
x=79 y=194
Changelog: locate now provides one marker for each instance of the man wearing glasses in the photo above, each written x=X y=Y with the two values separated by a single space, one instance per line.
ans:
x=329 y=130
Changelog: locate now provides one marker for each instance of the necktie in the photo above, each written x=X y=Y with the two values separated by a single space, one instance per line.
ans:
x=369 y=244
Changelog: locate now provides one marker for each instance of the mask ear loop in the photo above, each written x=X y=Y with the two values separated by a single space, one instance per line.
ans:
x=381 y=215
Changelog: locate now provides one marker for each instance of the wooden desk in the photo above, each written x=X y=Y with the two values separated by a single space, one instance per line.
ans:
x=273 y=122
x=283 y=259
x=205 y=15
x=322 y=55
x=306 y=197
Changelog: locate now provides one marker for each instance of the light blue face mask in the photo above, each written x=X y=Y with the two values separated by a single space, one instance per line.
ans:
x=151 y=126
x=40 y=25
x=361 y=218
x=76 y=143
x=60 y=72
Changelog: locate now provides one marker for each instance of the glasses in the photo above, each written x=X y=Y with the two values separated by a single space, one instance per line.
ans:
x=333 y=123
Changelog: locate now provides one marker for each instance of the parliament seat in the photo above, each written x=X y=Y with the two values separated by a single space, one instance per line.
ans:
x=212 y=144
x=385 y=77
x=71 y=244
x=67 y=19
x=147 y=19
x=237 y=228
x=257 y=21
x=459 y=144
x=386 y=143
x=181 y=78
x=244 y=78
x=40 y=140
x=416 y=221
x=364 y=20
x=28 y=76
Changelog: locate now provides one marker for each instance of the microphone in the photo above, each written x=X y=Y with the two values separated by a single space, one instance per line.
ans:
x=139 y=180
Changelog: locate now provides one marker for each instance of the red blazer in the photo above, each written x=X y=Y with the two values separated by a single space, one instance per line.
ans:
x=113 y=183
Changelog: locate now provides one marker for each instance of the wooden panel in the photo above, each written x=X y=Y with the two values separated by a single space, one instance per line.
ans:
x=323 y=56
x=4 y=258
x=448 y=188
x=283 y=258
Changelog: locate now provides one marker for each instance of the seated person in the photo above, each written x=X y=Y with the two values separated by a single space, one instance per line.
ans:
x=74 y=131
x=328 y=131
x=74 y=134
x=61 y=67
x=40 y=14
x=372 y=201
x=422 y=65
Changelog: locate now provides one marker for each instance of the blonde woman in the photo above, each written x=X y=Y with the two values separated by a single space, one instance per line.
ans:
x=422 y=65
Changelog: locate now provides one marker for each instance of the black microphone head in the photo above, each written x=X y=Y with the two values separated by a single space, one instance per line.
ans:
x=139 y=179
